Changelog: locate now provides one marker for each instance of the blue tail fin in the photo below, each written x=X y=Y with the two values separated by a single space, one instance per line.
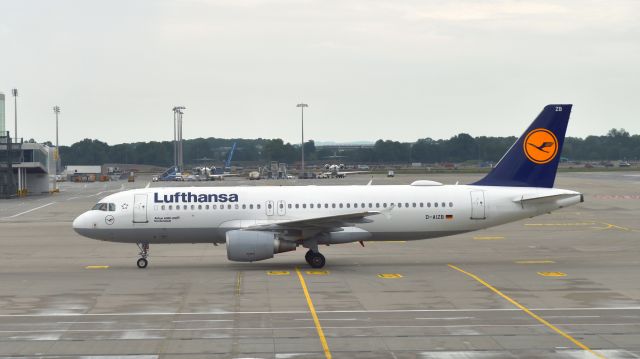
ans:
x=533 y=160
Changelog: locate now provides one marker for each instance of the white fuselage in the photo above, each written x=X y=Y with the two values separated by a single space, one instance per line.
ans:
x=407 y=212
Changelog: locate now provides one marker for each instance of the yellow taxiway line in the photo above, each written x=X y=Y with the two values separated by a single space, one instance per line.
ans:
x=316 y=321
x=532 y=314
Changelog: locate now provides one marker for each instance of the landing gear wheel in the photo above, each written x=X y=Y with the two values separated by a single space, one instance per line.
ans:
x=142 y=263
x=144 y=254
x=316 y=260
x=307 y=256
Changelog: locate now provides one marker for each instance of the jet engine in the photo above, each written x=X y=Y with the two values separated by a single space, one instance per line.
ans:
x=251 y=246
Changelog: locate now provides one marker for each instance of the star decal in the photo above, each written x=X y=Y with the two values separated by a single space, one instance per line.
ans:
x=125 y=206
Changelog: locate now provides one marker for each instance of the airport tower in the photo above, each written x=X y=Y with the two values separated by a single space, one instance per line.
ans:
x=2 y=128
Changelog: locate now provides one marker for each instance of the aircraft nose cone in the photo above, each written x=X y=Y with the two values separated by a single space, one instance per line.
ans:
x=83 y=225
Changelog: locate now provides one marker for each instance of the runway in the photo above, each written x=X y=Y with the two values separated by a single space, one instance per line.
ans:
x=576 y=270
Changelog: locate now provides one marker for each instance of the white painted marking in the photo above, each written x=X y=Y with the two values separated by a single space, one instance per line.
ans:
x=31 y=210
x=571 y=316
x=148 y=185
x=139 y=333
x=85 y=322
x=327 y=319
x=202 y=320
x=451 y=318
x=469 y=310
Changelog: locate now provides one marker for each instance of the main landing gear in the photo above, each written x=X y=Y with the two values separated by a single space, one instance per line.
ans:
x=144 y=253
x=315 y=259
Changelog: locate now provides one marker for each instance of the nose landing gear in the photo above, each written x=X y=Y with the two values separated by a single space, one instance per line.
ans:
x=144 y=253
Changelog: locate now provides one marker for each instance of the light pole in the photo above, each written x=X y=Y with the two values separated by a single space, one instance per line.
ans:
x=177 y=131
x=302 y=106
x=14 y=92
x=56 y=155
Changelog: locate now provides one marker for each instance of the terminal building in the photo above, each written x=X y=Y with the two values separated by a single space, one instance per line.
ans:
x=24 y=167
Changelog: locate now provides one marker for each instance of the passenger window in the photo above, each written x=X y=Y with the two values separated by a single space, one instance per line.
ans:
x=311 y=205
x=377 y=205
x=162 y=207
x=289 y=205
x=399 y=205
x=444 y=204
x=450 y=204
x=177 y=207
x=326 y=205
x=340 y=205
x=258 y=206
x=333 y=205
x=304 y=205
x=407 y=205
x=184 y=207
x=362 y=205
x=199 y=206
x=348 y=205
x=206 y=207
x=244 y=206
x=170 y=207
x=297 y=205
x=384 y=205
x=214 y=206
x=421 y=204
x=429 y=204
x=228 y=206
x=319 y=205
x=370 y=205
x=236 y=206
x=250 y=206
x=435 y=204
x=269 y=206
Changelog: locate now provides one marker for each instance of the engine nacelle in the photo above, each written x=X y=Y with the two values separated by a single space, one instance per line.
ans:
x=251 y=246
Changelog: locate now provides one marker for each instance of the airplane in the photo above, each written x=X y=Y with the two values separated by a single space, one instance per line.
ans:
x=336 y=171
x=257 y=222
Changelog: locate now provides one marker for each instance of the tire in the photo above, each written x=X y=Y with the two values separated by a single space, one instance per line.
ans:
x=142 y=263
x=317 y=260
x=307 y=256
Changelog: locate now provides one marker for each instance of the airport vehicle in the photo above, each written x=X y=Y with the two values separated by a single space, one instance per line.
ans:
x=391 y=173
x=260 y=221
x=254 y=175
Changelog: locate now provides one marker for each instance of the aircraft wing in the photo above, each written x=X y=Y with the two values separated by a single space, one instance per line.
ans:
x=344 y=173
x=315 y=223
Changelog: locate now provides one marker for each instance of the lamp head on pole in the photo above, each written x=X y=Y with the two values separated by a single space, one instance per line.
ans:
x=56 y=109
x=14 y=92
x=302 y=105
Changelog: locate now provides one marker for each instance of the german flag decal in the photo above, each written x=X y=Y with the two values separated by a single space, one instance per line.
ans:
x=449 y=216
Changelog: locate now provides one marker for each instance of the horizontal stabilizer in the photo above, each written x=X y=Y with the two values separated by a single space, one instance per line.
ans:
x=547 y=197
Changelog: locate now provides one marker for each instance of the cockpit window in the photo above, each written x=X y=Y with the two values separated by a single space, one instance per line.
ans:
x=111 y=207
x=100 y=207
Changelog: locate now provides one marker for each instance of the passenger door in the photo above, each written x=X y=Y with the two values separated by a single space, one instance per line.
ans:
x=282 y=208
x=140 y=208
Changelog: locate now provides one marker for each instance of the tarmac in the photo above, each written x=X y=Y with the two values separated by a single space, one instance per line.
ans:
x=562 y=285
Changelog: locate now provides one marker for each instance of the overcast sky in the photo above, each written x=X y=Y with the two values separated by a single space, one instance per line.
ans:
x=368 y=69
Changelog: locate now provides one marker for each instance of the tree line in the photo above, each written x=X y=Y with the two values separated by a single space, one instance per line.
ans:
x=617 y=144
